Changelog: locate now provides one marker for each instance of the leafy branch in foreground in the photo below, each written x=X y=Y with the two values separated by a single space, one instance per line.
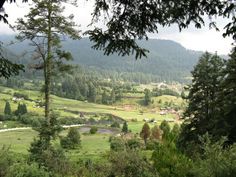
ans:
x=129 y=21
x=8 y=68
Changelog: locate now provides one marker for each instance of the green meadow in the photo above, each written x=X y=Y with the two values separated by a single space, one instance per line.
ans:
x=92 y=146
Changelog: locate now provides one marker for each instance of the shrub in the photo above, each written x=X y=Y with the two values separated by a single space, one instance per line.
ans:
x=93 y=130
x=21 y=95
x=125 y=127
x=130 y=164
x=72 y=140
x=115 y=125
x=70 y=121
x=133 y=144
x=215 y=161
x=152 y=144
x=26 y=170
x=169 y=162
x=30 y=119
x=6 y=160
x=117 y=144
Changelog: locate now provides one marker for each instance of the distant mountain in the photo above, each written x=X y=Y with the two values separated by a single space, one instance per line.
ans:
x=167 y=60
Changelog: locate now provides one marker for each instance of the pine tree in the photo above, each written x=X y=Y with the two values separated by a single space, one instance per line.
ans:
x=165 y=127
x=156 y=133
x=113 y=96
x=227 y=123
x=105 y=98
x=145 y=132
x=125 y=127
x=147 y=97
x=202 y=112
x=24 y=109
x=44 y=26
x=92 y=93
x=21 y=109
x=7 y=109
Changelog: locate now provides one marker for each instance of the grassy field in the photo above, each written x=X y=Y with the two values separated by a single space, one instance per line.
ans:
x=92 y=146
x=18 y=140
x=126 y=111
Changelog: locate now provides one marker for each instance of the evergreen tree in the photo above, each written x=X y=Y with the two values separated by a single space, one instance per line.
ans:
x=165 y=127
x=113 y=96
x=202 y=112
x=92 y=93
x=42 y=146
x=7 y=109
x=44 y=26
x=174 y=134
x=24 y=109
x=119 y=95
x=105 y=97
x=147 y=97
x=145 y=132
x=125 y=127
x=156 y=133
x=227 y=121
x=72 y=140
x=21 y=109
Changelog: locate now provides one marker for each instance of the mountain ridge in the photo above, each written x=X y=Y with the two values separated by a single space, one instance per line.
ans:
x=167 y=60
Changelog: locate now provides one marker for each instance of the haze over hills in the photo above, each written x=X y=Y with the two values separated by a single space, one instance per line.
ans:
x=166 y=61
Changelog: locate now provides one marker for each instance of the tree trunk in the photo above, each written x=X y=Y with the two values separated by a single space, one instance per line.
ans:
x=48 y=66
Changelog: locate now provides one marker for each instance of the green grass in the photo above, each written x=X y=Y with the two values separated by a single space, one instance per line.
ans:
x=178 y=101
x=60 y=104
x=92 y=146
x=136 y=127
x=18 y=140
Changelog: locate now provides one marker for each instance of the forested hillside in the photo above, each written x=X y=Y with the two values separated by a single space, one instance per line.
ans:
x=166 y=61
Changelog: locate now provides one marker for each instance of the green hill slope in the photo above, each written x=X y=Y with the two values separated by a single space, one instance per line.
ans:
x=166 y=61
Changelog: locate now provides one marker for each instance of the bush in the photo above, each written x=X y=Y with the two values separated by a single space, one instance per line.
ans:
x=133 y=144
x=117 y=144
x=30 y=119
x=72 y=140
x=93 y=130
x=130 y=164
x=26 y=170
x=21 y=95
x=70 y=121
x=5 y=117
x=169 y=162
x=6 y=160
x=215 y=161
x=115 y=125
x=152 y=144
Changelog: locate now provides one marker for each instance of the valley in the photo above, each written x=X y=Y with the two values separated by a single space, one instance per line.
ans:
x=84 y=115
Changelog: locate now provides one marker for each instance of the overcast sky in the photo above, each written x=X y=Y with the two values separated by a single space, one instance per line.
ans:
x=195 y=39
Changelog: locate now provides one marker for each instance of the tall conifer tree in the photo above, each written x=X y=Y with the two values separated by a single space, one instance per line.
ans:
x=228 y=119
x=7 y=109
x=202 y=112
x=45 y=26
